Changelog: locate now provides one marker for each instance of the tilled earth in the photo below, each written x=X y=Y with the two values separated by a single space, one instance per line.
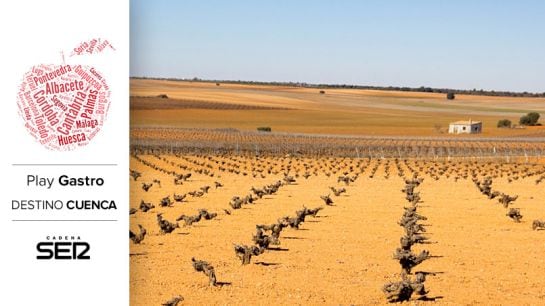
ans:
x=344 y=255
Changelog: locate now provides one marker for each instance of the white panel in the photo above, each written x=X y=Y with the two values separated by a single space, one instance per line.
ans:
x=35 y=32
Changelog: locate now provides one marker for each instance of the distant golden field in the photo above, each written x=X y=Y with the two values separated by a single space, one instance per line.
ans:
x=305 y=110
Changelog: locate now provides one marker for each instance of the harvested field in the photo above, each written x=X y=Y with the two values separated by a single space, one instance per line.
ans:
x=149 y=103
x=305 y=110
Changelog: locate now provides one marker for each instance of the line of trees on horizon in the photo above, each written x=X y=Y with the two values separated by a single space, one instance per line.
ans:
x=476 y=92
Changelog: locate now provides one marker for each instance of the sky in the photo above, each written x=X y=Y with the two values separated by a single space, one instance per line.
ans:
x=462 y=44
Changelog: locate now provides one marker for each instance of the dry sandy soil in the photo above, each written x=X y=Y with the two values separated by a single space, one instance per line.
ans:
x=344 y=255
x=305 y=110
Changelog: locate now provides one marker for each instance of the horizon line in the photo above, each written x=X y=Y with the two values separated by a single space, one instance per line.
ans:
x=360 y=86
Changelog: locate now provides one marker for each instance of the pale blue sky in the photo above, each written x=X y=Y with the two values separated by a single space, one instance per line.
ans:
x=493 y=45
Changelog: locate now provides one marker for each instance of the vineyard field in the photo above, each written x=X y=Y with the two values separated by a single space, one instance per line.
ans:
x=345 y=253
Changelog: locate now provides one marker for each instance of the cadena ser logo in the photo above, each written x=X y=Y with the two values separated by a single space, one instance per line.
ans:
x=63 y=248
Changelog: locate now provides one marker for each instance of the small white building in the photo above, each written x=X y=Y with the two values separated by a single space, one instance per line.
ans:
x=467 y=127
